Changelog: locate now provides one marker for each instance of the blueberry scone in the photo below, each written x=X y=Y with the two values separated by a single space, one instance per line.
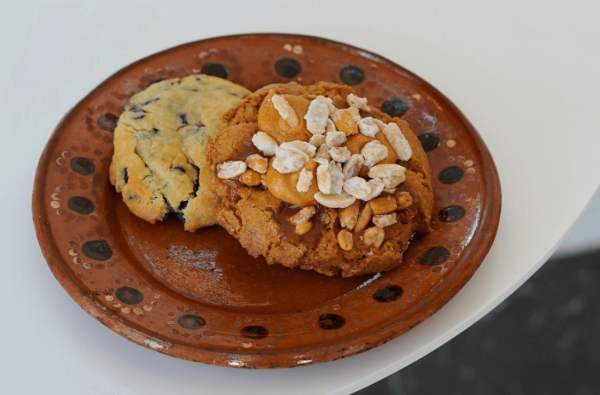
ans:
x=316 y=178
x=159 y=162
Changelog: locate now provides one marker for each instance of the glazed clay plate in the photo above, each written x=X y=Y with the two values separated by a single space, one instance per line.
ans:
x=199 y=296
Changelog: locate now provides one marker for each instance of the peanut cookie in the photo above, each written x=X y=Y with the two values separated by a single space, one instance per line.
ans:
x=159 y=163
x=343 y=187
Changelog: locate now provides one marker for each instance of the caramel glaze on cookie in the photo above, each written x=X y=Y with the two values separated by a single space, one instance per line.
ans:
x=280 y=218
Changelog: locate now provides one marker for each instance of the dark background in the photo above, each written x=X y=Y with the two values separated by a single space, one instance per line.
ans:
x=543 y=339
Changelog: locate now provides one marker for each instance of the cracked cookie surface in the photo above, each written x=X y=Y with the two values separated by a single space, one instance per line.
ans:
x=337 y=240
x=159 y=163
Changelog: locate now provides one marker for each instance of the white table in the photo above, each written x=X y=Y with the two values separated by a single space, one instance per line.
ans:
x=526 y=75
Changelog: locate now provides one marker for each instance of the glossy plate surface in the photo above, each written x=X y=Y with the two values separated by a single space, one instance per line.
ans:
x=199 y=296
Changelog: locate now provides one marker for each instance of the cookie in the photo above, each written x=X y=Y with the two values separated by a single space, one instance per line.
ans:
x=313 y=177
x=159 y=162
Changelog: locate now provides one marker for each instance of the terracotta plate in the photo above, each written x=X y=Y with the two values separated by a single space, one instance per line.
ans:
x=199 y=296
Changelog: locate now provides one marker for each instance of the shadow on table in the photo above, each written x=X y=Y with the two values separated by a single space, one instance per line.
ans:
x=544 y=339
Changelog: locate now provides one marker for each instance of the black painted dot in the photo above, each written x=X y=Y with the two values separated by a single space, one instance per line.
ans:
x=452 y=213
x=97 y=249
x=83 y=166
x=288 y=67
x=429 y=141
x=129 y=295
x=255 y=332
x=434 y=256
x=107 y=122
x=215 y=69
x=451 y=175
x=81 y=205
x=388 y=294
x=352 y=75
x=331 y=321
x=395 y=107
x=191 y=321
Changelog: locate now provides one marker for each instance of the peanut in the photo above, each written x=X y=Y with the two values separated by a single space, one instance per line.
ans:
x=385 y=220
x=344 y=122
x=257 y=163
x=337 y=178
x=231 y=169
x=383 y=205
x=303 y=215
x=354 y=113
x=323 y=152
x=340 y=154
x=368 y=127
x=358 y=102
x=316 y=117
x=335 y=139
x=364 y=218
x=345 y=240
x=265 y=143
x=303 y=228
x=251 y=178
x=352 y=166
x=405 y=200
x=305 y=180
x=349 y=215
x=374 y=152
x=328 y=102
x=374 y=237
x=317 y=140
x=285 y=110
x=342 y=200
x=297 y=146
x=357 y=187
x=290 y=162
x=397 y=140
x=391 y=174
